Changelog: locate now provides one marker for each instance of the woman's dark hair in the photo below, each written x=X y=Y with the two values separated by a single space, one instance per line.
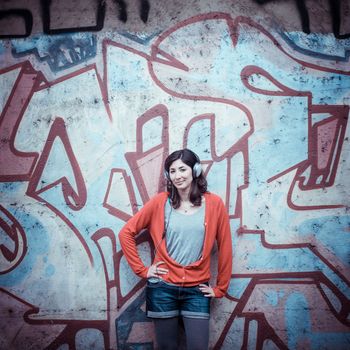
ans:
x=199 y=184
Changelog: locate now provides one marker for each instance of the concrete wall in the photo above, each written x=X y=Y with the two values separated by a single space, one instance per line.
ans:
x=94 y=95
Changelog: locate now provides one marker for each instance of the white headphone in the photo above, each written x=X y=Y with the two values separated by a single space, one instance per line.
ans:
x=197 y=170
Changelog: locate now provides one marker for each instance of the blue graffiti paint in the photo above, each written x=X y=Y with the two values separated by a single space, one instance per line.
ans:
x=152 y=133
x=286 y=260
x=297 y=320
x=332 y=232
x=89 y=338
x=325 y=87
x=59 y=51
x=237 y=287
x=133 y=313
x=2 y=48
x=127 y=74
x=324 y=46
x=140 y=38
x=285 y=153
x=199 y=134
x=49 y=271
x=300 y=329
x=37 y=242
x=330 y=340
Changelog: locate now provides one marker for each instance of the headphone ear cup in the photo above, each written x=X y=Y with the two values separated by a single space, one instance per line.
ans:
x=197 y=170
x=166 y=175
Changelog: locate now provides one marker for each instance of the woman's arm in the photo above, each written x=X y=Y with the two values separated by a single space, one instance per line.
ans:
x=224 y=242
x=141 y=220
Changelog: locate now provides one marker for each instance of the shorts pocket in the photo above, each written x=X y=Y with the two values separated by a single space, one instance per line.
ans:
x=155 y=283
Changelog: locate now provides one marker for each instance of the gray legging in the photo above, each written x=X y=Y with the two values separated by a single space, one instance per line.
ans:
x=196 y=330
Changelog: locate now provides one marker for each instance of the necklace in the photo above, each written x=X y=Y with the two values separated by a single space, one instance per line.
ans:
x=186 y=208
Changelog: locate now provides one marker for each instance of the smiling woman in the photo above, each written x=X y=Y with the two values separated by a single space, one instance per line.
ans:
x=184 y=173
x=184 y=224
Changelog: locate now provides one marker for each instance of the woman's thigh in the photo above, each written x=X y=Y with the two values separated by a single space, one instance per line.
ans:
x=197 y=333
x=167 y=331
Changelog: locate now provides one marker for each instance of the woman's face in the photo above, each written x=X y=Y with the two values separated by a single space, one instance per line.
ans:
x=180 y=175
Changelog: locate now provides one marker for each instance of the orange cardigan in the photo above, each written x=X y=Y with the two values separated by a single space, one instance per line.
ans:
x=217 y=227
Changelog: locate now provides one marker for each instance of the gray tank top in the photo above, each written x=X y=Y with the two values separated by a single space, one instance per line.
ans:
x=184 y=235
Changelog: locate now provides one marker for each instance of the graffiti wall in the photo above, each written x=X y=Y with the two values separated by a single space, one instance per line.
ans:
x=88 y=115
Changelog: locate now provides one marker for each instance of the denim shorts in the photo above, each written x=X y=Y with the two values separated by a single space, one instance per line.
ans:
x=164 y=300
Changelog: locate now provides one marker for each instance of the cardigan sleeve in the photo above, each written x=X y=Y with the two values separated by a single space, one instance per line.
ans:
x=141 y=220
x=224 y=242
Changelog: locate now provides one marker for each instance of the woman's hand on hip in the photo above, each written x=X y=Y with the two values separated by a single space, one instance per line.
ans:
x=155 y=271
x=207 y=290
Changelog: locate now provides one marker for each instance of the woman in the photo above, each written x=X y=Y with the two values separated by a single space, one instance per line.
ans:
x=184 y=224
